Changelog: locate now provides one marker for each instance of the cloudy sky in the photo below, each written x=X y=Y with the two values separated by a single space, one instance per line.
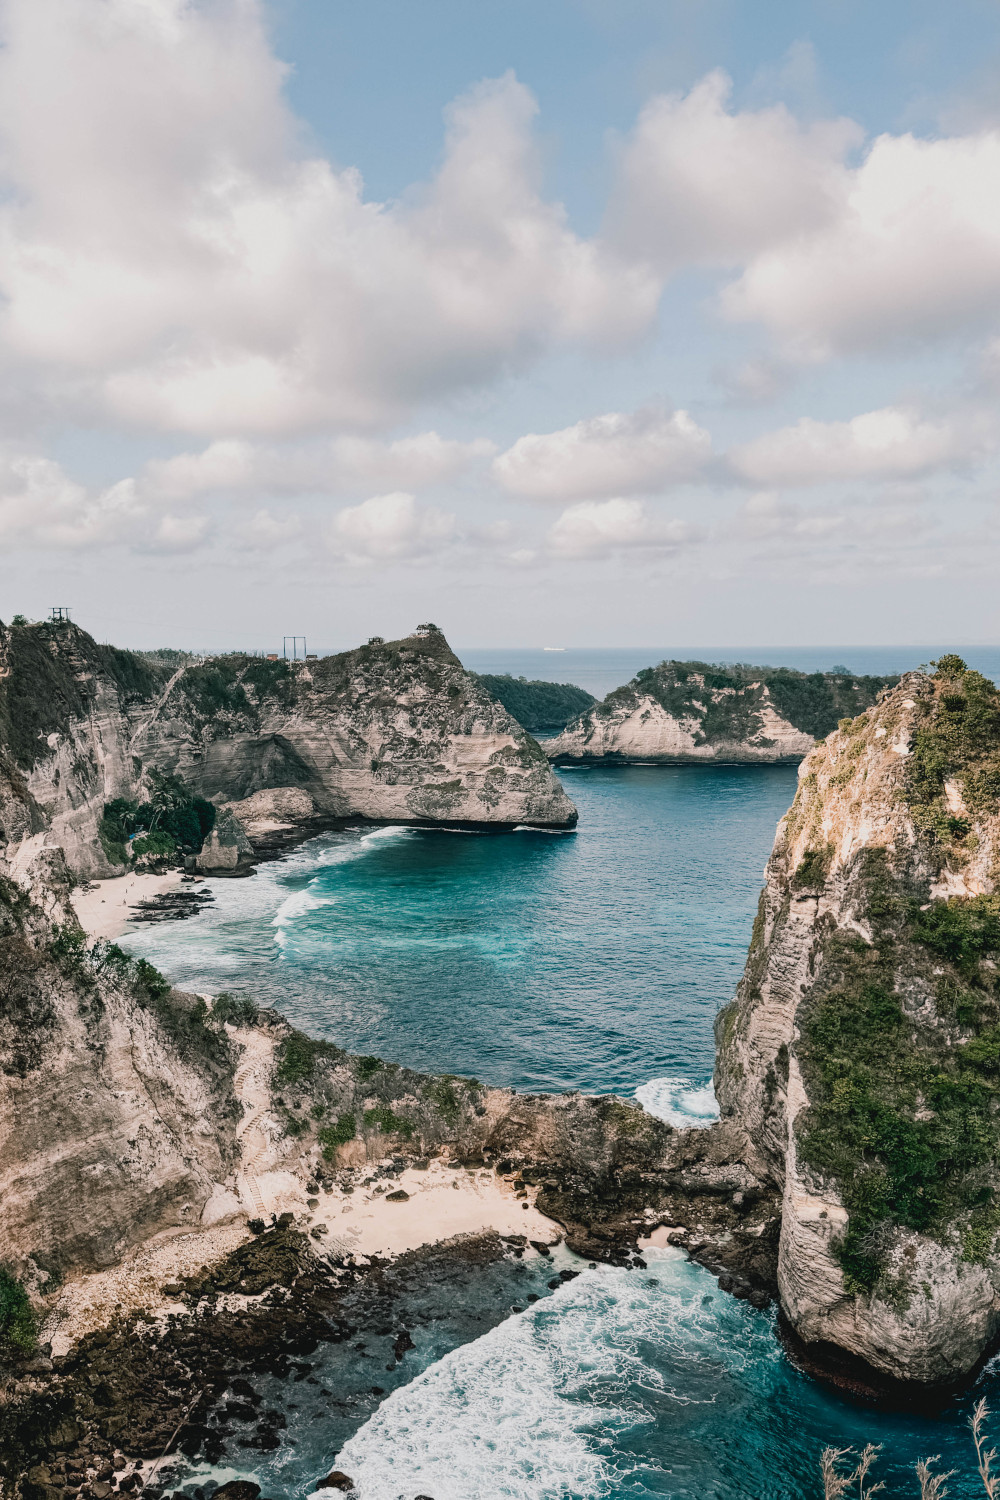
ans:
x=586 y=321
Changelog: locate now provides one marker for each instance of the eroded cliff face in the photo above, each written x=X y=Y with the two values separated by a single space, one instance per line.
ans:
x=861 y=1055
x=117 y=1113
x=393 y=731
x=67 y=711
x=693 y=711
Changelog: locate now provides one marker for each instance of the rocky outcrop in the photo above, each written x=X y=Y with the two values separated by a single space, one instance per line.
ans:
x=692 y=711
x=394 y=731
x=861 y=1055
x=66 y=721
x=226 y=846
x=117 y=1115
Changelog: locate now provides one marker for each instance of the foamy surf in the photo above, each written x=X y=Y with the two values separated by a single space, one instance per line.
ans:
x=536 y=1409
x=679 y=1103
x=301 y=902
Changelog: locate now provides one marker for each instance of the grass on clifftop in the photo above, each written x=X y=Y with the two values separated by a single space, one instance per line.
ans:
x=957 y=738
x=729 y=705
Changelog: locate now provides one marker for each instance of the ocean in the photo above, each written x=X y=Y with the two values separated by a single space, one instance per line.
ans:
x=594 y=960
x=601 y=669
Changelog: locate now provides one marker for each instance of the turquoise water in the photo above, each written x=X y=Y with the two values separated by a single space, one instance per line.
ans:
x=593 y=960
x=596 y=960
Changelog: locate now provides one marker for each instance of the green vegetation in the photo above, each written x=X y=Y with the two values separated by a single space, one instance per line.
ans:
x=172 y=817
x=367 y=1067
x=541 y=707
x=332 y=1136
x=811 y=701
x=296 y=1058
x=167 y=656
x=905 y=1120
x=813 y=868
x=45 y=690
x=382 y=1118
x=441 y=1093
x=154 y=846
x=18 y=1325
x=237 y=1010
x=234 y=686
x=957 y=738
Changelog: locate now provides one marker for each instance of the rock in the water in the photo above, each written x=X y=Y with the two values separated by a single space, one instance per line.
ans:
x=237 y=1489
x=696 y=711
x=336 y=1481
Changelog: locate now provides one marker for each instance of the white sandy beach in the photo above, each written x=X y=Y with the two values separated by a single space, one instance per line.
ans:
x=104 y=907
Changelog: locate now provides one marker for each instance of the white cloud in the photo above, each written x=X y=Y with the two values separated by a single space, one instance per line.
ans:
x=912 y=253
x=330 y=466
x=891 y=443
x=615 y=454
x=390 y=528
x=595 y=529
x=833 y=255
x=40 y=505
x=699 y=184
x=170 y=256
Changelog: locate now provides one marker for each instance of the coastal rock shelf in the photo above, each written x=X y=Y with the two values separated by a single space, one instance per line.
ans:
x=682 y=712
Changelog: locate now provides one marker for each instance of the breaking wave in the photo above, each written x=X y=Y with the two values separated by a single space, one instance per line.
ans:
x=679 y=1102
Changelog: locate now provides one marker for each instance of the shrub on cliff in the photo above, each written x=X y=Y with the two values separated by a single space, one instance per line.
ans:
x=18 y=1326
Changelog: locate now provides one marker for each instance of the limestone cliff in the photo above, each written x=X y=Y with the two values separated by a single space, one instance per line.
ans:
x=393 y=731
x=117 y=1115
x=66 y=711
x=862 y=1052
x=693 y=711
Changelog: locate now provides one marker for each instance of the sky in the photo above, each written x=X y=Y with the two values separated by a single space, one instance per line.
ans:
x=575 y=322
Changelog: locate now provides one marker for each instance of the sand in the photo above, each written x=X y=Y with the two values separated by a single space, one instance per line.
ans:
x=444 y=1201
x=103 y=908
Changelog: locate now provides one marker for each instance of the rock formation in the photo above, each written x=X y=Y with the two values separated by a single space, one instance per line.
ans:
x=393 y=731
x=693 y=711
x=861 y=1055
x=117 y=1116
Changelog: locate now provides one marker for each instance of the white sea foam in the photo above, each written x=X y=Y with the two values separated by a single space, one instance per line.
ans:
x=514 y=1415
x=678 y=1102
x=308 y=899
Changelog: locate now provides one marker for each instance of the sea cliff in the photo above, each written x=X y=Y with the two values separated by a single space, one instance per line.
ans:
x=693 y=711
x=860 y=1055
x=394 y=731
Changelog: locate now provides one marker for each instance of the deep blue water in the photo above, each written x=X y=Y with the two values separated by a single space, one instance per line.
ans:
x=595 y=960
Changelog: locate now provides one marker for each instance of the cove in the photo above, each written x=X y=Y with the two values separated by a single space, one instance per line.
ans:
x=595 y=960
